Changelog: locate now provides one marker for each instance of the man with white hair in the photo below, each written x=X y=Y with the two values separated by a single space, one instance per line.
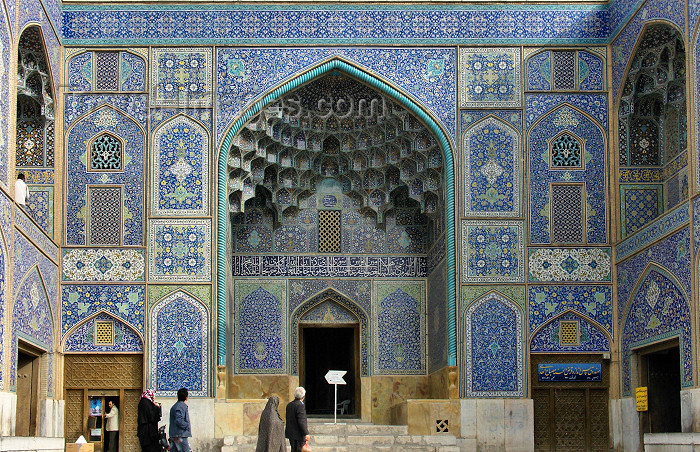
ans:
x=296 y=429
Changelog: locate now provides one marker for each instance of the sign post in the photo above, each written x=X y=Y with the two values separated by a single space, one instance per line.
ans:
x=335 y=378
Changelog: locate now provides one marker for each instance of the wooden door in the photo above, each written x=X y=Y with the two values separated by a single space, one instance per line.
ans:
x=27 y=394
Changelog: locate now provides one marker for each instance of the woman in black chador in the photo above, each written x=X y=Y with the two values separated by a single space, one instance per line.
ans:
x=149 y=414
x=271 y=429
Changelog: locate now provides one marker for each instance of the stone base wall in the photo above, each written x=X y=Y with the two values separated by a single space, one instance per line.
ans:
x=497 y=424
x=8 y=410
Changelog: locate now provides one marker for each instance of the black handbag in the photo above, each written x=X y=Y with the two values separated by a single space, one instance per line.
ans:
x=163 y=439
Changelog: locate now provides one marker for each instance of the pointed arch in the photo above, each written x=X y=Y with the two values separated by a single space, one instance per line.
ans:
x=335 y=63
x=126 y=229
x=101 y=313
x=34 y=317
x=179 y=345
x=658 y=309
x=333 y=296
x=493 y=351
x=599 y=339
x=492 y=186
x=180 y=186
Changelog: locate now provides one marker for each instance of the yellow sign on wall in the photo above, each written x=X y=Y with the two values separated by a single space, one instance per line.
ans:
x=642 y=396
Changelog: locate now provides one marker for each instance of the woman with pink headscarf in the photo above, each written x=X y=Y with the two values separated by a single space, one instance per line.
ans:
x=149 y=414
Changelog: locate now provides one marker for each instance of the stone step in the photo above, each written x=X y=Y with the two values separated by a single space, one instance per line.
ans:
x=355 y=448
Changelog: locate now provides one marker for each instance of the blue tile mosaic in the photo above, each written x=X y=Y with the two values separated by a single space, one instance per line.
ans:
x=568 y=118
x=358 y=291
x=32 y=315
x=125 y=302
x=490 y=77
x=179 y=346
x=180 y=168
x=437 y=318
x=181 y=76
x=512 y=117
x=591 y=70
x=659 y=310
x=672 y=253
x=328 y=312
x=5 y=59
x=539 y=105
x=11 y=8
x=539 y=71
x=593 y=302
x=179 y=250
x=79 y=70
x=82 y=338
x=491 y=169
x=99 y=264
x=40 y=206
x=26 y=256
x=493 y=348
x=245 y=74
x=260 y=334
x=591 y=338
x=111 y=120
x=75 y=106
x=132 y=72
x=331 y=296
x=670 y=221
x=492 y=251
x=333 y=24
x=640 y=204
x=36 y=234
x=330 y=266
x=569 y=264
x=399 y=329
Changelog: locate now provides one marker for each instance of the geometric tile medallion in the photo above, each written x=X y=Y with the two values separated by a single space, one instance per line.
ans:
x=492 y=251
x=40 y=206
x=181 y=77
x=180 y=150
x=490 y=77
x=179 y=250
x=569 y=264
x=491 y=169
x=99 y=264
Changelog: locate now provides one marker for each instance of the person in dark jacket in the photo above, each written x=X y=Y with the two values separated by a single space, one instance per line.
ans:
x=297 y=430
x=180 y=423
x=271 y=428
x=149 y=413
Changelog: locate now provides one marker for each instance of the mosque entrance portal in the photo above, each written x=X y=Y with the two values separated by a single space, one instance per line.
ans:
x=325 y=349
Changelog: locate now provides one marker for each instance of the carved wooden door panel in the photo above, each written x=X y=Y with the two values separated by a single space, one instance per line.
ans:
x=130 y=404
x=75 y=424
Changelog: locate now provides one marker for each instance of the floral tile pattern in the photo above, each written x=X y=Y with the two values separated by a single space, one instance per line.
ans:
x=179 y=250
x=490 y=77
x=99 y=264
x=492 y=251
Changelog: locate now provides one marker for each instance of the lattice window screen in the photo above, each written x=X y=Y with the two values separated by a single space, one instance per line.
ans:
x=566 y=151
x=329 y=231
x=107 y=71
x=564 y=69
x=567 y=214
x=569 y=333
x=104 y=333
x=106 y=153
x=105 y=218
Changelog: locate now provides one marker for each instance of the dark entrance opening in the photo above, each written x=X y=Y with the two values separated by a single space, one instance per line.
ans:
x=661 y=373
x=327 y=349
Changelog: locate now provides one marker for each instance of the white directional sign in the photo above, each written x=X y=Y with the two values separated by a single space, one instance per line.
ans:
x=335 y=377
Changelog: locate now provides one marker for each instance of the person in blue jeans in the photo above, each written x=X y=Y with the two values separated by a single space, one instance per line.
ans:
x=180 y=423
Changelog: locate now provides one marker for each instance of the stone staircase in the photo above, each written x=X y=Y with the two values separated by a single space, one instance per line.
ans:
x=350 y=435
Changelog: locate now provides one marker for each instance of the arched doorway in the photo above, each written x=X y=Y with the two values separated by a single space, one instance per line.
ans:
x=332 y=178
